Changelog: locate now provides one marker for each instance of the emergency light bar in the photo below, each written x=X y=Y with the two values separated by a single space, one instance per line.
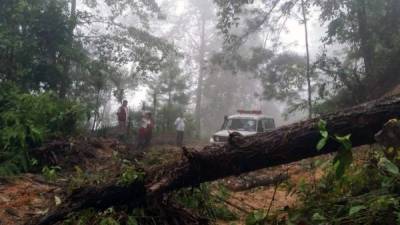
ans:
x=249 y=111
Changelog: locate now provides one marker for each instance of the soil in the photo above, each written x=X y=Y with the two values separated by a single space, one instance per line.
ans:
x=263 y=197
x=26 y=196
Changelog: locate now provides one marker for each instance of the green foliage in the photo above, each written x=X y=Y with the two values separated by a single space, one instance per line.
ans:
x=78 y=179
x=113 y=216
x=169 y=93
x=372 y=29
x=344 y=157
x=108 y=216
x=256 y=218
x=356 y=209
x=26 y=120
x=130 y=175
x=364 y=194
x=324 y=133
x=205 y=203
x=108 y=221
x=49 y=45
x=50 y=173
x=387 y=165
x=82 y=218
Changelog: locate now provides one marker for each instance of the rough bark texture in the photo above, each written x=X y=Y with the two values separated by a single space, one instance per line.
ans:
x=243 y=154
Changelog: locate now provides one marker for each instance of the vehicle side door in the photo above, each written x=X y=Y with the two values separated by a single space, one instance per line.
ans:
x=260 y=126
x=269 y=124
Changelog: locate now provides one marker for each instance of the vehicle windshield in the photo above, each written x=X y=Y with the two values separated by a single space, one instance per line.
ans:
x=240 y=124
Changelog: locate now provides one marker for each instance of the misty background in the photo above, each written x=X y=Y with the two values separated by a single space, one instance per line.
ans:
x=191 y=26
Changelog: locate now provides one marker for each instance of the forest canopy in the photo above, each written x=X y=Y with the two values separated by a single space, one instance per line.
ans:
x=358 y=60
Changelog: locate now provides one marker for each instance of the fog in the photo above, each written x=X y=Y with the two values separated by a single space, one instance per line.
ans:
x=224 y=91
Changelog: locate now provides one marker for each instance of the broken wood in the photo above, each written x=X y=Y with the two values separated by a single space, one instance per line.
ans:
x=243 y=154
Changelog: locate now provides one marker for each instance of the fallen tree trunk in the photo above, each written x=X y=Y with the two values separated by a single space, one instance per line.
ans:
x=243 y=154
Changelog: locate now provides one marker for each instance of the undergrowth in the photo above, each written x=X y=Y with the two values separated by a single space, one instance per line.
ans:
x=205 y=202
x=26 y=120
x=367 y=193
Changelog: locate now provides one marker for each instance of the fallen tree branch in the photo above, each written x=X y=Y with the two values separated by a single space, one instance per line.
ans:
x=243 y=154
x=253 y=181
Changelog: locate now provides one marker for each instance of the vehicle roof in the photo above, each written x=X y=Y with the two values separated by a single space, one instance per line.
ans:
x=253 y=116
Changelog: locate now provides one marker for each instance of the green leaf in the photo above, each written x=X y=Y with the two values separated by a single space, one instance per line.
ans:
x=342 y=161
x=318 y=217
x=322 y=125
x=36 y=134
x=256 y=218
x=34 y=162
x=324 y=133
x=388 y=166
x=344 y=141
x=321 y=144
x=355 y=209
x=343 y=138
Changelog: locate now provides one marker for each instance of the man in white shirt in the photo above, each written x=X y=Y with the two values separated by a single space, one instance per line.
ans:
x=180 y=129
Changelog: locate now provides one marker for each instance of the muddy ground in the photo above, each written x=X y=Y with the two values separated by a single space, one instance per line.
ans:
x=91 y=161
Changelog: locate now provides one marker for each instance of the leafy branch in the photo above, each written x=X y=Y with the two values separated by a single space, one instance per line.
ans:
x=344 y=157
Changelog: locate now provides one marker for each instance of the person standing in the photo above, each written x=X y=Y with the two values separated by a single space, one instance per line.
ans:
x=145 y=131
x=180 y=129
x=149 y=128
x=141 y=138
x=122 y=115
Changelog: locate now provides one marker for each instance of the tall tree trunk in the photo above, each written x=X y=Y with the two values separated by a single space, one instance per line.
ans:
x=64 y=85
x=308 y=75
x=169 y=108
x=154 y=103
x=96 y=113
x=366 y=47
x=199 y=91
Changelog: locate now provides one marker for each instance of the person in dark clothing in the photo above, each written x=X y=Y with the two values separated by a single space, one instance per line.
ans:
x=122 y=115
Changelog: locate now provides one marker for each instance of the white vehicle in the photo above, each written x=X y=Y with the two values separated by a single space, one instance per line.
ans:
x=246 y=123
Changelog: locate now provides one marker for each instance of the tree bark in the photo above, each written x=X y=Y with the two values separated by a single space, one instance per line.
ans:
x=65 y=80
x=199 y=91
x=308 y=75
x=243 y=154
